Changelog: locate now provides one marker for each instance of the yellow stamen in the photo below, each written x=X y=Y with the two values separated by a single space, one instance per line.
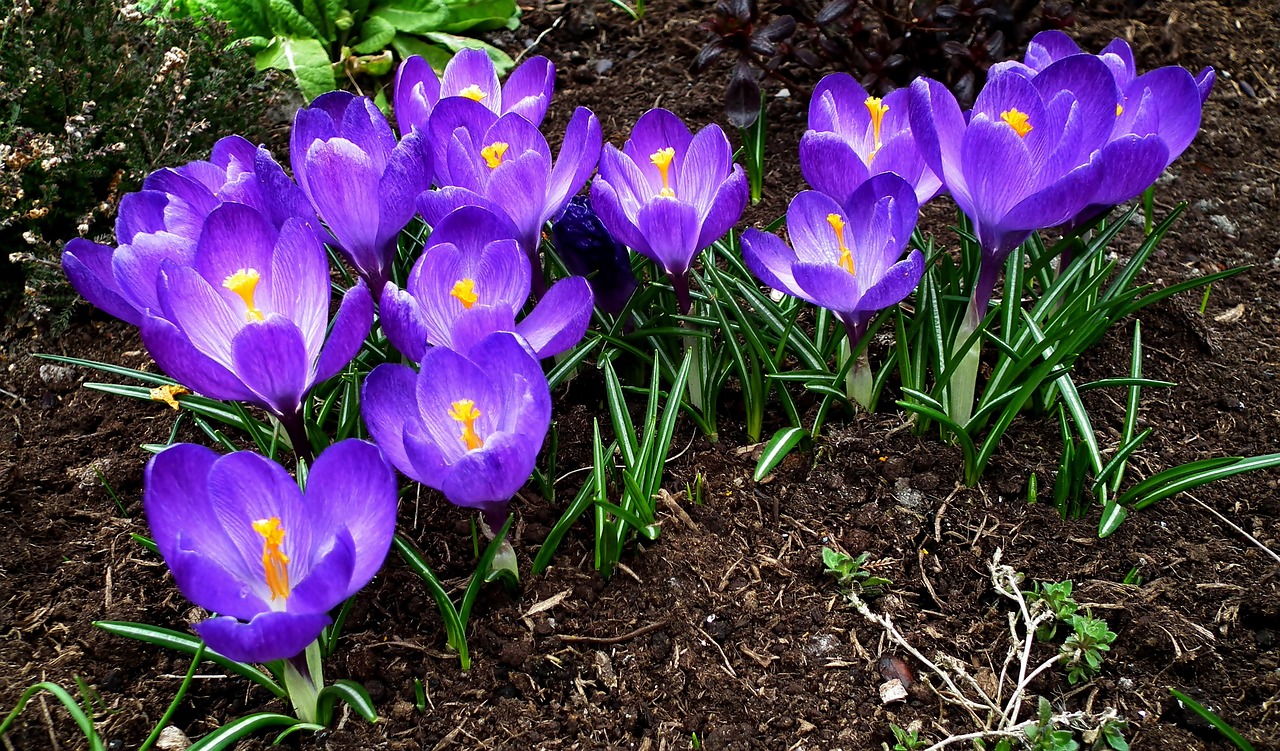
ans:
x=662 y=160
x=493 y=153
x=244 y=283
x=846 y=255
x=274 y=562
x=465 y=412
x=168 y=394
x=877 y=108
x=1119 y=109
x=1017 y=119
x=465 y=291
x=473 y=92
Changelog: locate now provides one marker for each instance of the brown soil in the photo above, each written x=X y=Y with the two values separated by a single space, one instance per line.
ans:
x=726 y=627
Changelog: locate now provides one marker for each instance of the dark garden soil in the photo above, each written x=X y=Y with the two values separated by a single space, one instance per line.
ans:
x=726 y=627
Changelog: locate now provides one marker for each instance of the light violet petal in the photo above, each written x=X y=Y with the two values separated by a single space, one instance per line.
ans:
x=560 y=318
x=271 y=359
x=387 y=403
x=268 y=637
x=350 y=327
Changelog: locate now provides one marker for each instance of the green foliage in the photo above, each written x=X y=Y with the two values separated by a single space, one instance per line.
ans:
x=1043 y=736
x=850 y=574
x=81 y=714
x=1208 y=715
x=1082 y=651
x=1056 y=597
x=92 y=98
x=904 y=740
x=315 y=40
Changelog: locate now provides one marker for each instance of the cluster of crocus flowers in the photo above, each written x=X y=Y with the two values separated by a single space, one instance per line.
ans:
x=503 y=163
x=669 y=194
x=268 y=560
x=846 y=258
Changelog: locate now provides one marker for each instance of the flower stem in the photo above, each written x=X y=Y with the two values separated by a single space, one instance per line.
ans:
x=303 y=680
x=964 y=379
x=857 y=382
x=296 y=427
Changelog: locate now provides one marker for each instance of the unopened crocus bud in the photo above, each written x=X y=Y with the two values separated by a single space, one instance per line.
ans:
x=588 y=249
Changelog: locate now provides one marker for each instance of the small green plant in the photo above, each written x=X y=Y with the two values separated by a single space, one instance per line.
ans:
x=905 y=739
x=1213 y=719
x=311 y=40
x=1056 y=597
x=1043 y=736
x=82 y=714
x=1082 y=651
x=850 y=575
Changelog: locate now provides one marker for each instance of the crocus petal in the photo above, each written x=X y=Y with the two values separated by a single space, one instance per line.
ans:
x=828 y=285
x=1176 y=96
x=671 y=228
x=204 y=579
x=435 y=205
x=329 y=581
x=1048 y=47
x=387 y=403
x=417 y=89
x=1095 y=91
x=809 y=227
x=426 y=463
x=770 y=259
x=235 y=238
x=364 y=125
x=519 y=186
x=577 y=158
x=898 y=282
x=607 y=205
x=448 y=377
x=472 y=67
x=350 y=327
x=268 y=637
x=998 y=168
x=175 y=501
x=136 y=268
x=88 y=268
x=351 y=487
x=726 y=209
x=176 y=356
x=402 y=321
x=1129 y=165
x=344 y=187
x=491 y=474
x=658 y=129
x=203 y=315
x=560 y=318
x=310 y=124
x=1204 y=82
x=1058 y=202
x=407 y=174
x=140 y=213
x=299 y=285
x=830 y=165
x=705 y=165
x=476 y=323
x=271 y=359
x=939 y=125
x=529 y=88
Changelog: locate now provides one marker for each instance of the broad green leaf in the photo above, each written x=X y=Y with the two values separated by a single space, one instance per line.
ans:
x=412 y=16
x=480 y=15
x=353 y=694
x=305 y=59
x=375 y=34
x=245 y=17
x=407 y=46
x=285 y=20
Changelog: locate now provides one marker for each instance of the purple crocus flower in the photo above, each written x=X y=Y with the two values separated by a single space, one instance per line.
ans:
x=246 y=319
x=269 y=559
x=162 y=222
x=360 y=180
x=588 y=249
x=504 y=164
x=1156 y=118
x=470 y=73
x=847 y=258
x=853 y=135
x=470 y=427
x=472 y=280
x=669 y=194
x=1024 y=159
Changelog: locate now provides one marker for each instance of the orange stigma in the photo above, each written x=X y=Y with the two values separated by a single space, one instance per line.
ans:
x=493 y=153
x=1017 y=119
x=274 y=562
x=662 y=160
x=846 y=255
x=876 y=106
x=245 y=283
x=465 y=412
x=1119 y=109
x=465 y=291
x=473 y=92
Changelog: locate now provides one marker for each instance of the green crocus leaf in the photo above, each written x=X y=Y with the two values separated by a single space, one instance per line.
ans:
x=480 y=15
x=304 y=59
x=375 y=35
